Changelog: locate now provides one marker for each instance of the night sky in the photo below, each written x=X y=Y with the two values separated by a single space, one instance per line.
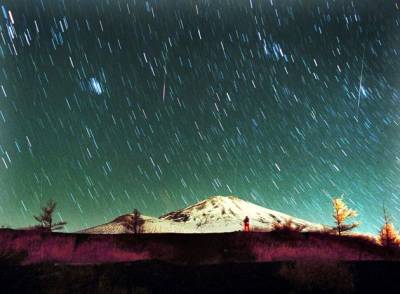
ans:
x=107 y=106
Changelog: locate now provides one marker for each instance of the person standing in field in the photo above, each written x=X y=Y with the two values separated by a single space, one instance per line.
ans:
x=246 y=223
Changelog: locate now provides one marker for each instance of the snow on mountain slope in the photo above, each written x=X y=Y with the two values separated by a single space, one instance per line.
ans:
x=226 y=214
x=213 y=215
x=120 y=226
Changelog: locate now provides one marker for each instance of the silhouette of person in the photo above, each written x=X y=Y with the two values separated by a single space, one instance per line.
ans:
x=246 y=223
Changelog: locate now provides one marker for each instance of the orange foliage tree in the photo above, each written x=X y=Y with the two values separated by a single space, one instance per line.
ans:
x=388 y=236
x=341 y=213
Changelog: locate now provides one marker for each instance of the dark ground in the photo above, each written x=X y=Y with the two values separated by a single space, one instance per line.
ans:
x=32 y=247
x=276 y=262
x=157 y=277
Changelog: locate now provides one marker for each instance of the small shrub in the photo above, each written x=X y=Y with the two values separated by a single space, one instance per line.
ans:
x=287 y=226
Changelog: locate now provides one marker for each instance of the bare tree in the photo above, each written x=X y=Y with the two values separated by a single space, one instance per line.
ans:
x=46 y=218
x=388 y=236
x=341 y=213
x=137 y=222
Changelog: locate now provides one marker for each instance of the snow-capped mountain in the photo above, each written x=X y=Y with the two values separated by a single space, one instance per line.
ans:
x=213 y=215
x=226 y=214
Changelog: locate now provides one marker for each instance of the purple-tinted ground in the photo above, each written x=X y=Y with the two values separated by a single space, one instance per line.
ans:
x=277 y=262
x=42 y=247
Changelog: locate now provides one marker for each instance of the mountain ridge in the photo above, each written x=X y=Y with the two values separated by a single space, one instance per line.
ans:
x=215 y=214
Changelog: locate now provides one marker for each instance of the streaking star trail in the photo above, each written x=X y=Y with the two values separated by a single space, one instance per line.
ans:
x=107 y=106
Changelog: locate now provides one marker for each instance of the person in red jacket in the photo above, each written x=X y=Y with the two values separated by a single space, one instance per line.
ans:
x=246 y=223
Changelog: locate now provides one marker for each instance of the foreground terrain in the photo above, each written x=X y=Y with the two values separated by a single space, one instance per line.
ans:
x=238 y=262
x=32 y=247
x=159 y=277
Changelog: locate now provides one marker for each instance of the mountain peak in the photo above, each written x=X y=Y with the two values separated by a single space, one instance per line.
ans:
x=212 y=206
x=224 y=198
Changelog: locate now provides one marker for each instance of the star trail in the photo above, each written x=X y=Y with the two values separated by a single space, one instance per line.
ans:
x=107 y=106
